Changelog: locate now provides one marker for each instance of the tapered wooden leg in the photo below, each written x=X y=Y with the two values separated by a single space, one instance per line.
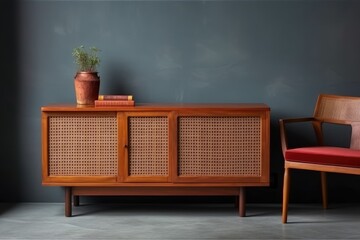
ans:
x=324 y=190
x=76 y=200
x=68 y=202
x=286 y=189
x=242 y=201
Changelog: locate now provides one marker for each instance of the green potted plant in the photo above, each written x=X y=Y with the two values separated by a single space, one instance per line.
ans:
x=87 y=80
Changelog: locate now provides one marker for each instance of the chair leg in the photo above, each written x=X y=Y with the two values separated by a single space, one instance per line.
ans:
x=324 y=190
x=286 y=189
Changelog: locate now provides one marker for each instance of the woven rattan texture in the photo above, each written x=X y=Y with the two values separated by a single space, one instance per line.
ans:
x=219 y=146
x=344 y=109
x=148 y=146
x=82 y=145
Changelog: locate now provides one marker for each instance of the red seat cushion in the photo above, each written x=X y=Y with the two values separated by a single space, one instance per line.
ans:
x=337 y=156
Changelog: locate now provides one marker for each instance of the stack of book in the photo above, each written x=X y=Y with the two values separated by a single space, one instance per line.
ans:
x=114 y=100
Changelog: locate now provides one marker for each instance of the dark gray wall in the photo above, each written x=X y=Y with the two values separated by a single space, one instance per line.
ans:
x=283 y=53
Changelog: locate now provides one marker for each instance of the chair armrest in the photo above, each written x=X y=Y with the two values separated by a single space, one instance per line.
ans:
x=283 y=136
x=295 y=120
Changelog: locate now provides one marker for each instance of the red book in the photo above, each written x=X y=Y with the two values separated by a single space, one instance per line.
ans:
x=114 y=103
x=116 y=97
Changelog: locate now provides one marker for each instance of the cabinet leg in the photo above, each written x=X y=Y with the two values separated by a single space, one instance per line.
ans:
x=242 y=201
x=68 y=206
x=76 y=200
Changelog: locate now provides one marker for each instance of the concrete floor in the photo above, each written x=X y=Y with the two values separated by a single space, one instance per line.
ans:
x=166 y=221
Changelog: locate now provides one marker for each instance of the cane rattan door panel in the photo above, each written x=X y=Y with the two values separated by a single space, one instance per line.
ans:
x=148 y=148
x=224 y=148
x=82 y=145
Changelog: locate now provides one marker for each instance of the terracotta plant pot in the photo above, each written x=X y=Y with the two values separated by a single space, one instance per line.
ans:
x=87 y=85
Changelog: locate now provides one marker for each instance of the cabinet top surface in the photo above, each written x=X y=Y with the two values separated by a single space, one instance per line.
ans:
x=160 y=107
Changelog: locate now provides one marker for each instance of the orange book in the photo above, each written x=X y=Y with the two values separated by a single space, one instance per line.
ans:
x=115 y=103
x=116 y=97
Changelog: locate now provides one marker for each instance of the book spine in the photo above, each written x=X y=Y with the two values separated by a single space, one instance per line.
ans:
x=115 y=97
x=114 y=103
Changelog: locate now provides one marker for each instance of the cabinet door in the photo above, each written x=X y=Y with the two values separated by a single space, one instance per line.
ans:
x=223 y=147
x=147 y=147
x=80 y=147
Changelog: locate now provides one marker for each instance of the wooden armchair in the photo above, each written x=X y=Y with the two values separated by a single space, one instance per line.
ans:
x=334 y=109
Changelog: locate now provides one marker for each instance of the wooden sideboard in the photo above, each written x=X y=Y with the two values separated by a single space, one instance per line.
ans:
x=155 y=149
